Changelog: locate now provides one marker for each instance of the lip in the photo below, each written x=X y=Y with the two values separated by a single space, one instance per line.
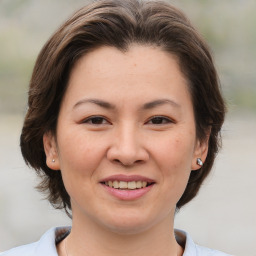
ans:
x=127 y=178
x=125 y=194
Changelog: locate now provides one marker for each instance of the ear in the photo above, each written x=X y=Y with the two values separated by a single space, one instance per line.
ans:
x=51 y=152
x=200 y=151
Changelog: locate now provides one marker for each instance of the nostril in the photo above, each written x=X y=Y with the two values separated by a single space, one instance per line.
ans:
x=127 y=155
x=126 y=163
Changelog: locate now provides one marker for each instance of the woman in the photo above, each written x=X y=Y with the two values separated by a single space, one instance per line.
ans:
x=123 y=126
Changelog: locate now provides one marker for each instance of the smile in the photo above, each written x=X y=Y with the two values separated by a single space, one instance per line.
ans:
x=130 y=185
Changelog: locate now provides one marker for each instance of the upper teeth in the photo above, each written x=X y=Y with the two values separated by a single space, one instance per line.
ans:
x=126 y=185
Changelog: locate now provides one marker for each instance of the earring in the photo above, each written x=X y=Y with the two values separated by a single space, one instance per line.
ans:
x=199 y=161
x=53 y=160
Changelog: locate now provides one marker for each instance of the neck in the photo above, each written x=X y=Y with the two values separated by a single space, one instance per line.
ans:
x=89 y=238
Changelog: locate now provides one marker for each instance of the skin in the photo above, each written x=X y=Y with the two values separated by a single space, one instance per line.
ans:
x=125 y=139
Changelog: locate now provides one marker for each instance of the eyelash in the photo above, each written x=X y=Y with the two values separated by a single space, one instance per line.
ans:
x=90 y=119
x=100 y=120
x=164 y=119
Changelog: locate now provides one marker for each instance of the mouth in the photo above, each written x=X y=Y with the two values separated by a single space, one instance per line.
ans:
x=127 y=185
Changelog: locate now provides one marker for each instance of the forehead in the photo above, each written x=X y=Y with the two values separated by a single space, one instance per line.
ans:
x=141 y=70
x=149 y=58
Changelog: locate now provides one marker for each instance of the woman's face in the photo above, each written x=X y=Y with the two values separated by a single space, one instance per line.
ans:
x=126 y=139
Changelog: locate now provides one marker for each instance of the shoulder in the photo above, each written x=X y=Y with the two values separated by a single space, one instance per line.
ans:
x=192 y=249
x=203 y=251
x=21 y=250
x=45 y=246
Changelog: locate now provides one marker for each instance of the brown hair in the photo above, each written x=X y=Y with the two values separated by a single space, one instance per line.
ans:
x=119 y=23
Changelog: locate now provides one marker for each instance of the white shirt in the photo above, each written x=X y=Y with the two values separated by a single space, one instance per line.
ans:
x=46 y=246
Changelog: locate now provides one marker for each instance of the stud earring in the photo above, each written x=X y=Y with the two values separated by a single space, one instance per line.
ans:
x=53 y=160
x=199 y=161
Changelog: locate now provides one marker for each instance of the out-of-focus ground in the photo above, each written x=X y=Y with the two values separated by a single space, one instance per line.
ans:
x=223 y=215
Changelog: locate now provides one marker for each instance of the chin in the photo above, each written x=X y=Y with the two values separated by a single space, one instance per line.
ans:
x=129 y=224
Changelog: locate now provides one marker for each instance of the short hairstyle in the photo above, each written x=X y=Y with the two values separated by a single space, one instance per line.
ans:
x=119 y=24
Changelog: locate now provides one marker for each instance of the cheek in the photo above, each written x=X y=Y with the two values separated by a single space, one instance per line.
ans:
x=175 y=164
x=79 y=153
x=174 y=159
x=176 y=153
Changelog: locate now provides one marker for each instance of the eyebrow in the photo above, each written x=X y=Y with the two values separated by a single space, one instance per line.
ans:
x=108 y=105
x=160 y=102
x=98 y=102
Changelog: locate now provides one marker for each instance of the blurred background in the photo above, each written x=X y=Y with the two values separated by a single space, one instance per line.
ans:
x=223 y=215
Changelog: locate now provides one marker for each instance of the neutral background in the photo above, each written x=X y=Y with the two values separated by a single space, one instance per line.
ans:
x=223 y=215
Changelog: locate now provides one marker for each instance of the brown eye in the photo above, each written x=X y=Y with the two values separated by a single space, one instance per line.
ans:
x=159 y=120
x=95 y=120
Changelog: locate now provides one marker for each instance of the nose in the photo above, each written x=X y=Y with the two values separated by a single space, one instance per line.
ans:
x=127 y=147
